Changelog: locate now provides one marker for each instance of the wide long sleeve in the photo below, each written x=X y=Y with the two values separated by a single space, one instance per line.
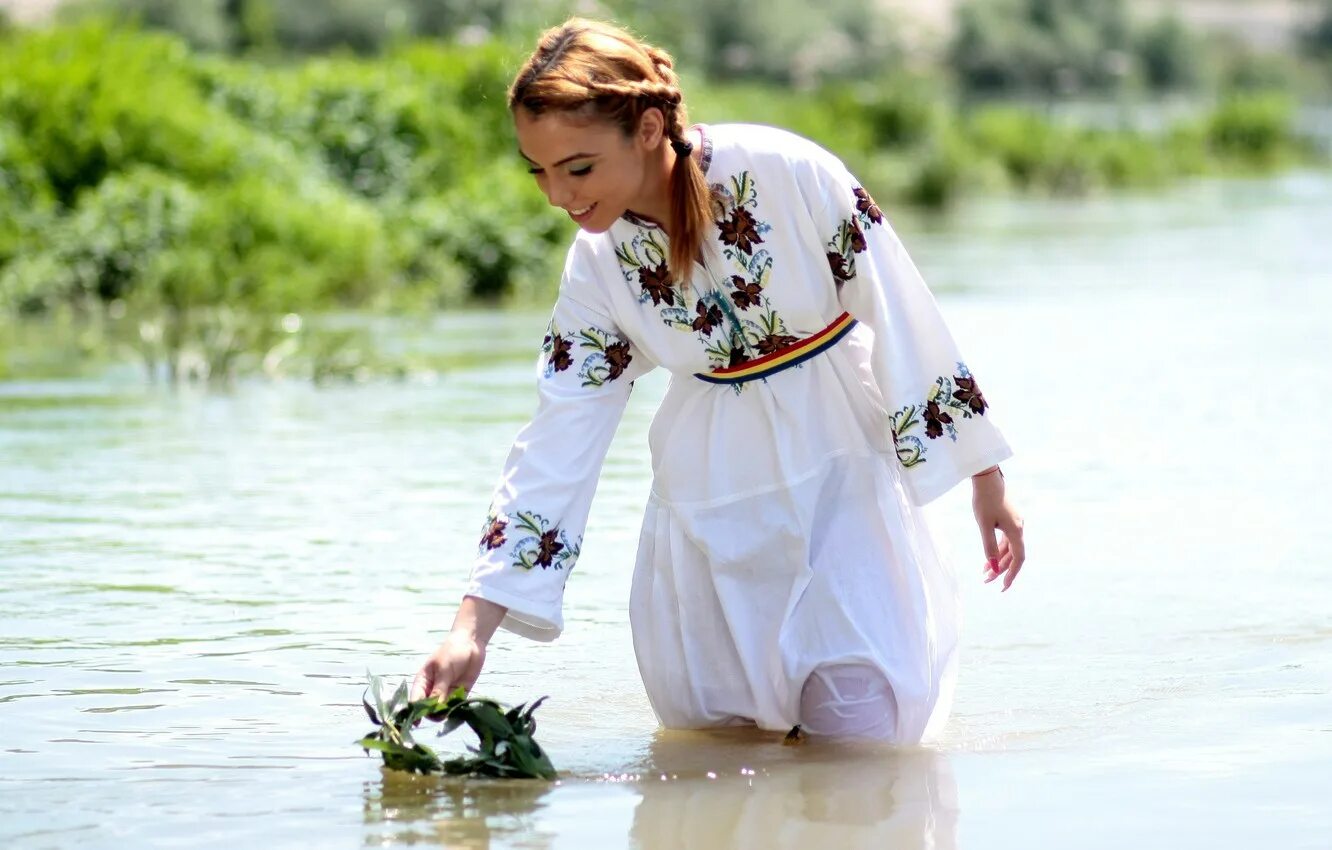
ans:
x=534 y=530
x=941 y=422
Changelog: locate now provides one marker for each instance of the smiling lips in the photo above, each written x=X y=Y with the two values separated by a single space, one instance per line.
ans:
x=581 y=213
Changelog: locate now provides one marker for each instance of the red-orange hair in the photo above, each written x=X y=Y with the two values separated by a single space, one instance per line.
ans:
x=599 y=69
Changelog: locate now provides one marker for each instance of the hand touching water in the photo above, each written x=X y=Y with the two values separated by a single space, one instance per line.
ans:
x=458 y=660
x=1005 y=553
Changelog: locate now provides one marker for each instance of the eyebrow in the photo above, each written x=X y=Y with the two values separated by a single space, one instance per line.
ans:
x=561 y=162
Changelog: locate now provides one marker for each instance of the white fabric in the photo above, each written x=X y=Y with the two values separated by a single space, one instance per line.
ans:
x=783 y=534
x=848 y=701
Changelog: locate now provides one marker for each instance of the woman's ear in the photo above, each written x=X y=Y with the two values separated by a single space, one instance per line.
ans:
x=651 y=128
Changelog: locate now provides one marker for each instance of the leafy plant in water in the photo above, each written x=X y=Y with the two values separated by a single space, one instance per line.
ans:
x=507 y=748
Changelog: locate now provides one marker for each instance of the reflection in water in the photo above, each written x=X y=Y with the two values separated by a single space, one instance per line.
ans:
x=403 y=808
x=723 y=791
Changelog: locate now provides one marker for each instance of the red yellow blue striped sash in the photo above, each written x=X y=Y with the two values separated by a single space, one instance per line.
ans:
x=783 y=358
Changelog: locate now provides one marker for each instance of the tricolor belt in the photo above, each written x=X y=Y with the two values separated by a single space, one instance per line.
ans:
x=783 y=358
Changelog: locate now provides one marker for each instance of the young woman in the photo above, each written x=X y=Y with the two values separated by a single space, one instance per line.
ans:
x=785 y=574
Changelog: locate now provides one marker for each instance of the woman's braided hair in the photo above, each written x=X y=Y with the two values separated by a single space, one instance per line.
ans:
x=599 y=70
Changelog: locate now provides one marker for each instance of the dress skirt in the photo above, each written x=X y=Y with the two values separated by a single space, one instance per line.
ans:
x=778 y=539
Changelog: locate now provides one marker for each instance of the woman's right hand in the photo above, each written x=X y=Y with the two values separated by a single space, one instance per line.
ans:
x=458 y=660
x=455 y=663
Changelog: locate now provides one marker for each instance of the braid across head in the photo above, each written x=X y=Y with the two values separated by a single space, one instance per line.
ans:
x=655 y=93
x=600 y=71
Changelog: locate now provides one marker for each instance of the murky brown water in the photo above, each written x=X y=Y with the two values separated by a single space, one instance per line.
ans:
x=193 y=584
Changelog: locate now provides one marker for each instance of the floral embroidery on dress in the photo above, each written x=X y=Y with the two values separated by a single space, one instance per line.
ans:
x=656 y=283
x=643 y=262
x=728 y=349
x=750 y=338
x=724 y=321
x=746 y=293
x=739 y=230
x=557 y=349
x=608 y=358
x=948 y=399
x=772 y=336
x=709 y=317
x=969 y=394
x=543 y=546
x=866 y=207
x=741 y=234
x=850 y=237
x=493 y=535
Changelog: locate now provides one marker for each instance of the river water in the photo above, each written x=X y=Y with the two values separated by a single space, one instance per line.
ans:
x=194 y=583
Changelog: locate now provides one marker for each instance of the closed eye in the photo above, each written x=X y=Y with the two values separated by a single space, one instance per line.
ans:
x=576 y=172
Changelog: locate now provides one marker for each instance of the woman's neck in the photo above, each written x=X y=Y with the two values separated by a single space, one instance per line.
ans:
x=655 y=202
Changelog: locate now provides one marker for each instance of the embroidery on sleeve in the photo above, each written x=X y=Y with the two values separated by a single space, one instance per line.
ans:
x=557 y=348
x=865 y=206
x=544 y=546
x=950 y=398
x=850 y=237
x=608 y=358
x=493 y=536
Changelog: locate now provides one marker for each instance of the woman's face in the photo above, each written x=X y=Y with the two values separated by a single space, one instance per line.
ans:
x=588 y=167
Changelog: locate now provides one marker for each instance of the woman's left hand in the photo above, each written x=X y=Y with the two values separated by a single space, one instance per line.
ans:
x=993 y=512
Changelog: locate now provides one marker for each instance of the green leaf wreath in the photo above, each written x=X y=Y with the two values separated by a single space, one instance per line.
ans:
x=507 y=748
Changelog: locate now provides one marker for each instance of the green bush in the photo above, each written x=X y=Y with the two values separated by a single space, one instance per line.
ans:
x=1018 y=138
x=96 y=101
x=103 y=249
x=499 y=229
x=1252 y=129
x=941 y=176
x=1059 y=46
x=390 y=127
x=26 y=200
x=298 y=179
x=829 y=117
x=1171 y=56
x=1039 y=154
x=900 y=111
x=278 y=251
x=1122 y=160
x=1243 y=69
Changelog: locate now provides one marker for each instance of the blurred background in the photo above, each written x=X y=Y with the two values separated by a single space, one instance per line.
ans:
x=214 y=188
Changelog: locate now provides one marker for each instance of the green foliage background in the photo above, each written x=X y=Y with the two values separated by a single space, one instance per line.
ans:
x=190 y=192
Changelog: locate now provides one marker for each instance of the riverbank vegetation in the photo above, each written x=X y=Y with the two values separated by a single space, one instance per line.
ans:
x=200 y=197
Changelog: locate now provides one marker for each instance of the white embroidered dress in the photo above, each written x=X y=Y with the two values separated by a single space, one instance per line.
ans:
x=783 y=531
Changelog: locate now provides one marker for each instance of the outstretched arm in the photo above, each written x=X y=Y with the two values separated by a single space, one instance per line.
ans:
x=458 y=660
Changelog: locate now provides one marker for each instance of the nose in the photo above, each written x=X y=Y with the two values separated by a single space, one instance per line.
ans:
x=557 y=193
